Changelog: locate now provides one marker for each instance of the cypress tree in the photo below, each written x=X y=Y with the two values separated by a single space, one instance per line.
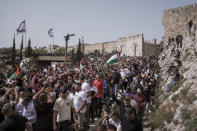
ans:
x=79 y=54
x=13 y=52
x=29 y=50
x=73 y=56
x=21 y=49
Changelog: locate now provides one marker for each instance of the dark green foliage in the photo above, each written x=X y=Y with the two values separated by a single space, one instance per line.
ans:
x=175 y=97
x=73 y=60
x=185 y=114
x=21 y=49
x=191 y=125
x=168 y=116
x=28 y=51
x=13 y=52
x=60 y=50
x=79 y=54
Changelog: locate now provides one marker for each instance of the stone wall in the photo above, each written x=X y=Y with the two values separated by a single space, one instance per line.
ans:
x=176 y=21
x=131 y=46
x=151 y=49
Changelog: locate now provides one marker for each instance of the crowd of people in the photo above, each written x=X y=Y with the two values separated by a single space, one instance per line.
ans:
x=63 y=97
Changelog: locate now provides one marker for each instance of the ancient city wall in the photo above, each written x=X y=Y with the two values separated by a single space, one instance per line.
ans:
x=151 y=49
x=91 y=47
x=176 y=21
x=111 y=46
x=131 y=46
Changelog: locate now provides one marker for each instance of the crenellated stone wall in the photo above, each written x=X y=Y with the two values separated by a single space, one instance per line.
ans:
x=176 y=21
x=131 y=46
x=151 y=49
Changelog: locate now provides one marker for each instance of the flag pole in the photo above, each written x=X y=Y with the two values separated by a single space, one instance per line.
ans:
x=53 y=43
x=25 y=34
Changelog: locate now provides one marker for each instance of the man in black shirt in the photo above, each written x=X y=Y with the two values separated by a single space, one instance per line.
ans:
x=13 y=122
x=123 y=105
x=44 y=111
x=116 y=79
x=131 y=123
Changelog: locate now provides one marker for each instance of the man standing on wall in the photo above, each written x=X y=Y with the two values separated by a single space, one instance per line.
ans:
x=116 y=80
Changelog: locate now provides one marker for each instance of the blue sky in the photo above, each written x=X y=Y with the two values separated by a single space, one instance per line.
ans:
x=95 y=20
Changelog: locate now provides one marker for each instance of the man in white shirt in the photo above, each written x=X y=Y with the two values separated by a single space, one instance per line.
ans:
x=86 y=88
x=62 y=112
x=80 y=102
x=29 y=111
x=19 y=107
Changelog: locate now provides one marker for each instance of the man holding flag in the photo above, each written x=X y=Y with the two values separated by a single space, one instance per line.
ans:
x=13 y=76
x=116 y=74
x=114 y=59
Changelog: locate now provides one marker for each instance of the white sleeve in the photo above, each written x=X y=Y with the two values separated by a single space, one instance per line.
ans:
x=84 y=96
x=112 y=122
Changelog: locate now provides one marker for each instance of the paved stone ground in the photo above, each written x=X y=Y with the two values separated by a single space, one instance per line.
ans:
x=93 y=125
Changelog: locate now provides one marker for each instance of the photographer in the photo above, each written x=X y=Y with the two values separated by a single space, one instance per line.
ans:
x=114 y=120
x=123 y=106
x=130 y=121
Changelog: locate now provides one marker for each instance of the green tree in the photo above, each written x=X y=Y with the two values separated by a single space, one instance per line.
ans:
x=60 y=50
x=73 y=60
x=29 y=49
x=21 y=49
x=96 y=52
x=79 y=54
x=40 y=50
x=13 y=52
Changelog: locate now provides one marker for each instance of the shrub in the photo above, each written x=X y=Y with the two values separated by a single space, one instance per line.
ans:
x=185 y=114
x=192 y=97
x=174 y=98
x=158 y=118
x=177 y=85
x=168 y=116
x=191 y=125
x=184 y=93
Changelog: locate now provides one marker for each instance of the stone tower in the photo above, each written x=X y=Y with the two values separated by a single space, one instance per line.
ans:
x=177 y=21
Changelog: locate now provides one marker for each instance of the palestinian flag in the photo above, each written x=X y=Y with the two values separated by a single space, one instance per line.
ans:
x=81 y=66
x=82 y=62
x=13 y=76
x=113 y=59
